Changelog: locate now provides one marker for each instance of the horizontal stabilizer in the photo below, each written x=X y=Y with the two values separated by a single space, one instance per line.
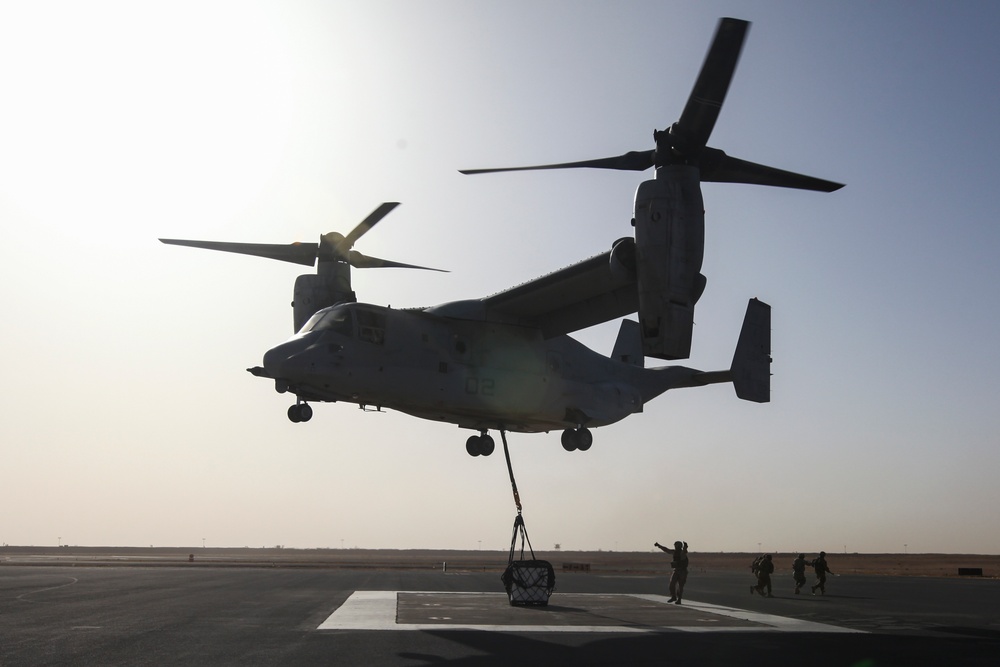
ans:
x=751 y=369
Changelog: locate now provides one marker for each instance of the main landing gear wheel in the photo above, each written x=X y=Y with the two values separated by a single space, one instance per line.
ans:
x=577 y=439
x=480 y=445
x=300 y=412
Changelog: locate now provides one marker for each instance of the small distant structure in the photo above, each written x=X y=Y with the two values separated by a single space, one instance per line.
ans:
x=576 y=567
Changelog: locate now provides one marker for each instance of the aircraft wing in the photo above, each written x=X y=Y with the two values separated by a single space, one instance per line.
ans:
x=590 y=292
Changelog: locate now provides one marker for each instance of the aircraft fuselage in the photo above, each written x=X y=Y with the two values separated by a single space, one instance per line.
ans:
x=478 y=375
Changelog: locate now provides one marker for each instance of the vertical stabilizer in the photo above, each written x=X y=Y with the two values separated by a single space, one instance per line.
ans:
x=751 y=369
x=628 y=345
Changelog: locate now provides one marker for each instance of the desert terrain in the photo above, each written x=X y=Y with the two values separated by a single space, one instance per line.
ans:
x=617 y=562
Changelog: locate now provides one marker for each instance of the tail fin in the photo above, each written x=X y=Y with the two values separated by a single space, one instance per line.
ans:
x=628 y=345
x=751 y=369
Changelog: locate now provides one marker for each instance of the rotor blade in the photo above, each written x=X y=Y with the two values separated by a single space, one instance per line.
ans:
x=717 y=167
x=631 y=161
x=359 y=261
x=297 y=253
x=703 y=105
x=383 y=210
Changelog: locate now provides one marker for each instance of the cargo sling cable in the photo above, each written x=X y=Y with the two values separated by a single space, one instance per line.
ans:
x=510 y=471
x=518 y=520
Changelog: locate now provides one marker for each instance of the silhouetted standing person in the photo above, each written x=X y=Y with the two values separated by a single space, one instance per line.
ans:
x=764 y=570
x=799 y=572
x=821 y=569
x=679 y=565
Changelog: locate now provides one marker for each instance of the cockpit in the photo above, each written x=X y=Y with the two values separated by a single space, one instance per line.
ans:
x=365 y=323
x=338 y=319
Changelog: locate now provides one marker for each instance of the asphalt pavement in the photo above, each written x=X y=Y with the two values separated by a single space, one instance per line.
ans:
x=278 y=616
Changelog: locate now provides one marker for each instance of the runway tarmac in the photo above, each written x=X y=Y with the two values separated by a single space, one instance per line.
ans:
x=274 y=616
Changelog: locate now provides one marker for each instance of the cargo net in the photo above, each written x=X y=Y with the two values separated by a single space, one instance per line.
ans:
x=529 y=582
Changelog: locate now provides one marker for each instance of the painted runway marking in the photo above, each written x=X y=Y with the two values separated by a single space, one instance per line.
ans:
x=382 y=610
x=23 y=597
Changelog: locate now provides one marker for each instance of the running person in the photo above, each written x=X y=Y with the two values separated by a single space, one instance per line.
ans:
x=821 y=569
x=764 y=570
x=799 y=572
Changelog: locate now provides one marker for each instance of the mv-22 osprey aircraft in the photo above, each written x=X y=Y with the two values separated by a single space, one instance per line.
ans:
x=506 y=362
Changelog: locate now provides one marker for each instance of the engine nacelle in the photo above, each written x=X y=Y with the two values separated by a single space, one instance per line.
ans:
x=622 y=260
x=670 y=244
x=331 y=284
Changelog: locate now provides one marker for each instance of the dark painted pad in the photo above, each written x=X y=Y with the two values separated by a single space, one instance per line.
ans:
x=564 y=609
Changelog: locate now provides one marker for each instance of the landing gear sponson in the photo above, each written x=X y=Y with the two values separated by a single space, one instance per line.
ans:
x=572 y=439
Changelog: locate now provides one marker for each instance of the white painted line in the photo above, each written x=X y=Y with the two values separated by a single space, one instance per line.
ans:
x=376 y=610
x=773 y=623
x=364 y=610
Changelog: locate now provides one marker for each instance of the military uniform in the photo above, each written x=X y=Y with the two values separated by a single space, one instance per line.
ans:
x=764 y=570
x=821 y=569
x=679 y=565
x=799 y=572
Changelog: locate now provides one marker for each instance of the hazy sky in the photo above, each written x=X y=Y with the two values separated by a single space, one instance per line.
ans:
x=128 y=417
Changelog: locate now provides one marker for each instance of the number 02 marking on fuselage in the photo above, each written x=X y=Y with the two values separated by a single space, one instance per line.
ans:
x=481 y=386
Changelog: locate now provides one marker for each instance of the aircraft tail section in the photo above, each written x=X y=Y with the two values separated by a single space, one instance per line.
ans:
x=751 y=368
x=750 y=371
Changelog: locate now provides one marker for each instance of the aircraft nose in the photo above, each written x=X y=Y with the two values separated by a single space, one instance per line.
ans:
x=274 y=361
x=279 y=362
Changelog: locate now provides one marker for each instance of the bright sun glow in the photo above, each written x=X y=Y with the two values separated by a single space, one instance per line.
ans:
x=118 y=105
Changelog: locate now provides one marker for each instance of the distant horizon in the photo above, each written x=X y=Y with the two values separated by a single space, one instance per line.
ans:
x=473 y=550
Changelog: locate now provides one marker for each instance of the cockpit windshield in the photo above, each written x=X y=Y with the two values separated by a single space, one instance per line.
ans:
x=338 y=319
